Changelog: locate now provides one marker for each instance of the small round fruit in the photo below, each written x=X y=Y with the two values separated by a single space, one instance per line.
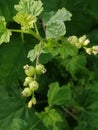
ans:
x=28 y=80
x=34 y=85
x=32 y=102
x=27 y=92
x=29 y=70
x=40 y=69
x=73 y=39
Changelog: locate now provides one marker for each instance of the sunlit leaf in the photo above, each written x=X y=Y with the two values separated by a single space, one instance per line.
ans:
x=55 y=27
x=26 y=20
x=4 y=32
x=30 y=7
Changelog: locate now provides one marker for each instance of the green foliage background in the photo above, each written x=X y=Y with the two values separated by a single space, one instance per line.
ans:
x=14 y=114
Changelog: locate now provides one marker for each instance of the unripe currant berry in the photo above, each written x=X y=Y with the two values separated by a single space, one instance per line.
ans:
x=73 y=39
x=40 y=69
x=82 y=38
x=86 y=42
x=34 y=85
x=27 y=92
x=32 y=102
x=29 y=70
x=27 y=81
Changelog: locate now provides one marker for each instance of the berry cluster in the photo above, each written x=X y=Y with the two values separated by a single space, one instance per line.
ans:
x=30 y=83
x=83 y=42
x=79 y=42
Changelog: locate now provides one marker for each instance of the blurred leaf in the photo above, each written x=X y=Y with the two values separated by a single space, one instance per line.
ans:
x=12 y=59
x=52 y=119
x=87 y=112
x=14 y=115
x=51 y=5
x=7 y=9
x=18 y=124
x=76 y=65
x=81 y=22
x=58 y=95
x=92 y=9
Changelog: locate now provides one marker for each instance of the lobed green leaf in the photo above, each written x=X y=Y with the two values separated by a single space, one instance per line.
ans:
x=55 y=27
x=53 y=119
x=58 y=95
x=33 y=7
x=4 y=32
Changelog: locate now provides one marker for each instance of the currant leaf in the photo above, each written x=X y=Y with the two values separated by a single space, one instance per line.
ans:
x=58 y=95
x=26 y=20
x=4 y=32
x=55 y=27
x=30 y=6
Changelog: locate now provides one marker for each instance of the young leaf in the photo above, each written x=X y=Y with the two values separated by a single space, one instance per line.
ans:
x=31 y=55
x=52 y=119
x=75 y=65
x=14 y=115
x=26 y=20
x=18 y=124
x=55 y=27
x=30 y=7
x=8 y=12
x=66 y=49
x=11 y=71
x=50 y=46
x=59 y=95
x=28 y=10
x=4 y=32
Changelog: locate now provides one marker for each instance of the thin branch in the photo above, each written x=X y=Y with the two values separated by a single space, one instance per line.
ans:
x=66 y=110
x=28 y=32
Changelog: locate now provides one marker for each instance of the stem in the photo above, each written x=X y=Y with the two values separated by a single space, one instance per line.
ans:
x=28 y=32
x=37 y=58
x=66 y=110
x=35 y=35
x=36 y=29
x=42 y=101
x=38 y=55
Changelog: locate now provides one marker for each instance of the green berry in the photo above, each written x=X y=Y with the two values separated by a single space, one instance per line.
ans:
x=34 y=85
x=82 y=38
x=32 y=102
x=27 y=92
x=29 y=70
x=28 y=80
x=40 y=69
x=73 y=39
